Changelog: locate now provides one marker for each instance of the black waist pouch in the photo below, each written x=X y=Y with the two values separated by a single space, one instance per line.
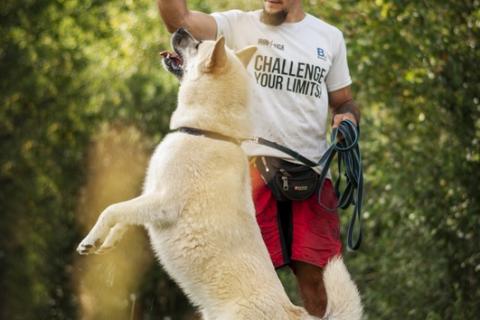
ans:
x=288 y=181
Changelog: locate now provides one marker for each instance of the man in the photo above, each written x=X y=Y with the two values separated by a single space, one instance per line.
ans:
x=300 y=69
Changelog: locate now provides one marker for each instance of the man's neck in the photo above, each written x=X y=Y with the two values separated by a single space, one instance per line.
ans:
x=295 y=14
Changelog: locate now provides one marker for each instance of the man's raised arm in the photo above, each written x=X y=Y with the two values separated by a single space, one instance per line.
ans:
x=175 y=14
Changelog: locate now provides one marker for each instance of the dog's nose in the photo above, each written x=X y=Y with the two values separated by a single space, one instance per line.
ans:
x=181 y=30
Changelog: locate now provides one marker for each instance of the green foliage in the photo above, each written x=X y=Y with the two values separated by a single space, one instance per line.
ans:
x=413 y=68
x=66 y=66
x=69 y=66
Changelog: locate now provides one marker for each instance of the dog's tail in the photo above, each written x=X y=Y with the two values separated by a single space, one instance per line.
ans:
x=343 y=297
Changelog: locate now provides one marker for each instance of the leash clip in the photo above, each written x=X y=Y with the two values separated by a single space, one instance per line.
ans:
x=251 y=139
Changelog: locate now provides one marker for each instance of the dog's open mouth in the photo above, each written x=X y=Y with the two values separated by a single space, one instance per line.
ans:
x=183 y=44
x=173 y=60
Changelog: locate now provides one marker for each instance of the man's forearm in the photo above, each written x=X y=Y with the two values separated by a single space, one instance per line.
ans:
x=173 y=13
x=348 y=106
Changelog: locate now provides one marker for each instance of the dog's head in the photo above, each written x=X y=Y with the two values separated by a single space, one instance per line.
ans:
x=214 y=86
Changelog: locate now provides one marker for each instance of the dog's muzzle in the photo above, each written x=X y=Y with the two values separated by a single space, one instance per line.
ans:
x=175 y=60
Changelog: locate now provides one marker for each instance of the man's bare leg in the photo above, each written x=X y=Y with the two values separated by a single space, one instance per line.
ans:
x=312 y=288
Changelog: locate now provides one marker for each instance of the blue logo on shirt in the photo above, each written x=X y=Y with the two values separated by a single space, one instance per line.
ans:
x=321 y=54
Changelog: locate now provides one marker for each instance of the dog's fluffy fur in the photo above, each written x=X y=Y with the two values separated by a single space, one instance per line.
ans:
x=197 y=204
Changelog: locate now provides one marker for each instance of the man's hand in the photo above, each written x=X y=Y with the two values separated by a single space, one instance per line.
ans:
x=343 y=107
x=343 y=116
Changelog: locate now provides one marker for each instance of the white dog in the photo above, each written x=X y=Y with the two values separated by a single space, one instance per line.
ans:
x=197 y=204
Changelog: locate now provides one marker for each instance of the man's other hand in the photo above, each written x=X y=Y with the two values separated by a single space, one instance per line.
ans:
x=339 y=117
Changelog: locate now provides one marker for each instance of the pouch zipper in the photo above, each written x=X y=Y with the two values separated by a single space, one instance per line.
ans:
x=285 y=183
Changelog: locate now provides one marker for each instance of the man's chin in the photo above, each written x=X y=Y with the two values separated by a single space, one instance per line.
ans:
x=273 y=17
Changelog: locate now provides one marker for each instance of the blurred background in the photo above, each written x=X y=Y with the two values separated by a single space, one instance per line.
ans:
x=84 y=100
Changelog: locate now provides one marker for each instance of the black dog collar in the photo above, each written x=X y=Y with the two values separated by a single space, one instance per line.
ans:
x=208 y=134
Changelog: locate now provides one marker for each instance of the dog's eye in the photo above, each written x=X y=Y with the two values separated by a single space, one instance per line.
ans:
x=197 y=45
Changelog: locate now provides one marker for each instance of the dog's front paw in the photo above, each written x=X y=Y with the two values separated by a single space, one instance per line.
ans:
x=88 y=246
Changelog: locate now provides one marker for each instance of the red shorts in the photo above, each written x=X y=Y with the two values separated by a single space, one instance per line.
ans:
x=297 y=230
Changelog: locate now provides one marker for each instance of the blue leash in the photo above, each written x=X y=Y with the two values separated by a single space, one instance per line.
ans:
x=349 y=157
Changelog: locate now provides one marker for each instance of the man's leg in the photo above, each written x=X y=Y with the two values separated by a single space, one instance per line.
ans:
x=316 y=240
x=312 y=289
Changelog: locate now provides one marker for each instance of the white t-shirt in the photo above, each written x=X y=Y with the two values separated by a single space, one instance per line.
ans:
x=294 y=68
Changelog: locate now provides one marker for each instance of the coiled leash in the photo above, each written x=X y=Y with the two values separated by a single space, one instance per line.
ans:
x=349 y=157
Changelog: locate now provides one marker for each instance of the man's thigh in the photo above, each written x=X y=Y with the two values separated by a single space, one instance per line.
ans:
x=316 y=228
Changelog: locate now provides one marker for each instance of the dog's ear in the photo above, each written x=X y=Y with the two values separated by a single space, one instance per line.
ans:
x=218 y=57
x=246 y=54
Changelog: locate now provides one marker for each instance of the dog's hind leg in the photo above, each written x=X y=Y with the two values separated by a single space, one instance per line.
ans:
x=144 y=209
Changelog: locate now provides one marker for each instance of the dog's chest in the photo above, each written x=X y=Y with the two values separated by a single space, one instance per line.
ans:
x=187 y=251
x=203 y=182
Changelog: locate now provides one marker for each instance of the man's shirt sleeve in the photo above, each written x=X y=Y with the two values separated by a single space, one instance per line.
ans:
x=339 y=76
x=227 y=23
